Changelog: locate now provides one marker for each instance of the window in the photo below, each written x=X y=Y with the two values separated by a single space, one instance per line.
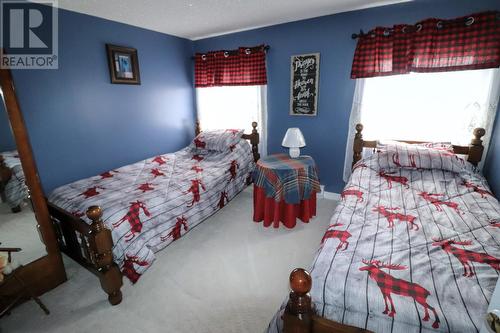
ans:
x=444 y=106
x=233 y=107
x=426 y=107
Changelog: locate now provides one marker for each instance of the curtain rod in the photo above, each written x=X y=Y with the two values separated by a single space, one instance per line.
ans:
x=266 y=48
x=440 y=24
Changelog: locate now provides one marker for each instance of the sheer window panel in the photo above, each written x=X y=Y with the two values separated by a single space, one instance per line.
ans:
x=433 y=107
x=427 y=107
x=234 y=107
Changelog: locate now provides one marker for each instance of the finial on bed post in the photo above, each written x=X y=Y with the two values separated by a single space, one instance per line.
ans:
x=476 y=146
x=197 y=128
x=101 y=248
x=255 y=141
x=298 y=312
x=94 y=213
x=358 y=144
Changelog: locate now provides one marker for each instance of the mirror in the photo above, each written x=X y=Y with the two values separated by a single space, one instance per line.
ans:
x=41 y=267
x=18 y=224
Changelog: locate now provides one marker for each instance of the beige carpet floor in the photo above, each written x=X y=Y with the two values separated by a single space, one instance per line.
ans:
x=229 y=274
x=19 y=230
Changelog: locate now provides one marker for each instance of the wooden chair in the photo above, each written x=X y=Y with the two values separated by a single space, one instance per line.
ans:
x=14 y=281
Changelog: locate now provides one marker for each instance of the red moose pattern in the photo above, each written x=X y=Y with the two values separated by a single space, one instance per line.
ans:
x=180 y=187
x=199 y=143
x=390 y=178
x=233 y=167
x=423 y=290
x=91 y=192
x=390 y=285
x=197 y=168
x=175 y=233
x=128 y=268
x=391 y=216
x=411 y=158
x=195 y=191
x=223 y=199
x=145 y=187
x=466 y=256
x=341 y=235
x=133 y=218
x=157 y=172
x=107 y=174
x=477 y=189
x=433 y=199
x=351 y=191
x=197 y=157
x=160 y=160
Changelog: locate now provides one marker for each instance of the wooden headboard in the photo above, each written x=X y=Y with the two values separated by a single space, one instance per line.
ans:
x=253 y=137
x=474 y=151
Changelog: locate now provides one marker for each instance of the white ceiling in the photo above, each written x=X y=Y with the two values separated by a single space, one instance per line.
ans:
x=196 y=19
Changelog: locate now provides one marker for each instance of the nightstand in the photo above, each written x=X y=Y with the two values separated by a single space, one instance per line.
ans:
x=285 y=189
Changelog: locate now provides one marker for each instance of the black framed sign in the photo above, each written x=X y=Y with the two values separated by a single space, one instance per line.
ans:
x=304 y=84
x=123 y=64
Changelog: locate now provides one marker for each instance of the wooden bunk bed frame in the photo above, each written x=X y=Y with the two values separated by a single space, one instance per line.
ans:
x=299 y=315
x=91 y=245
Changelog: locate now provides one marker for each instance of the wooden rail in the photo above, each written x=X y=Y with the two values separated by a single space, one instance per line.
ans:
x=474 y=151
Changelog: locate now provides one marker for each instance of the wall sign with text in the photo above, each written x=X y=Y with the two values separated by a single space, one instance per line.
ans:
x=304 y=84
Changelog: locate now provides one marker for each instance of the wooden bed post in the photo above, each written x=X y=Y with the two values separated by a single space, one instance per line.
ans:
x=358 y=144
x=298 y=316
x=255 y=142
x=101 y=245
x=197 y=128
x=476 y=146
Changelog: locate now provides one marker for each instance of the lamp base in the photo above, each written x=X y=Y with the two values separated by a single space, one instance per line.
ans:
x=294 y=152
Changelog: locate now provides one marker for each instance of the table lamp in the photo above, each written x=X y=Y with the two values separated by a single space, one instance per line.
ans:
x=294 y=140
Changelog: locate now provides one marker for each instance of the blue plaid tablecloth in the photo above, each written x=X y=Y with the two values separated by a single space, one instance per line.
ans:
x=291 y=179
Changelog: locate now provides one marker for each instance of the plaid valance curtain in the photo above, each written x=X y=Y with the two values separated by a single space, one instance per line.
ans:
x=243 y=67
x=432 y=45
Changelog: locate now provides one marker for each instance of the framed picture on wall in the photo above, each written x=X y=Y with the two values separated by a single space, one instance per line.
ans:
x=304 y=74
x=123 y=64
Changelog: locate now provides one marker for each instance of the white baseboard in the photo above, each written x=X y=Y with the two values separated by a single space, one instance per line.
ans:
x=328 y=195
x=331 y=196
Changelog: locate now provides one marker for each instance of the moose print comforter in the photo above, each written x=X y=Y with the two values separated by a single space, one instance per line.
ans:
x=15 y=190
x=414 y=246
x=149 y=204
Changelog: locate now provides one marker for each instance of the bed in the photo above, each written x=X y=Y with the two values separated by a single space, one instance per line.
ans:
x=412 y=247
x=13 y=189
x=114 y=223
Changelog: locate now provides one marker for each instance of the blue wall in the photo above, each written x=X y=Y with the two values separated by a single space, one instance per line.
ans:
x=331 y=36
x=81 y=125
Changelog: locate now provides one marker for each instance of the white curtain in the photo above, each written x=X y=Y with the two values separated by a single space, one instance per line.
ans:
x=433 y=107
x=234 y=107
x=354 y=119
